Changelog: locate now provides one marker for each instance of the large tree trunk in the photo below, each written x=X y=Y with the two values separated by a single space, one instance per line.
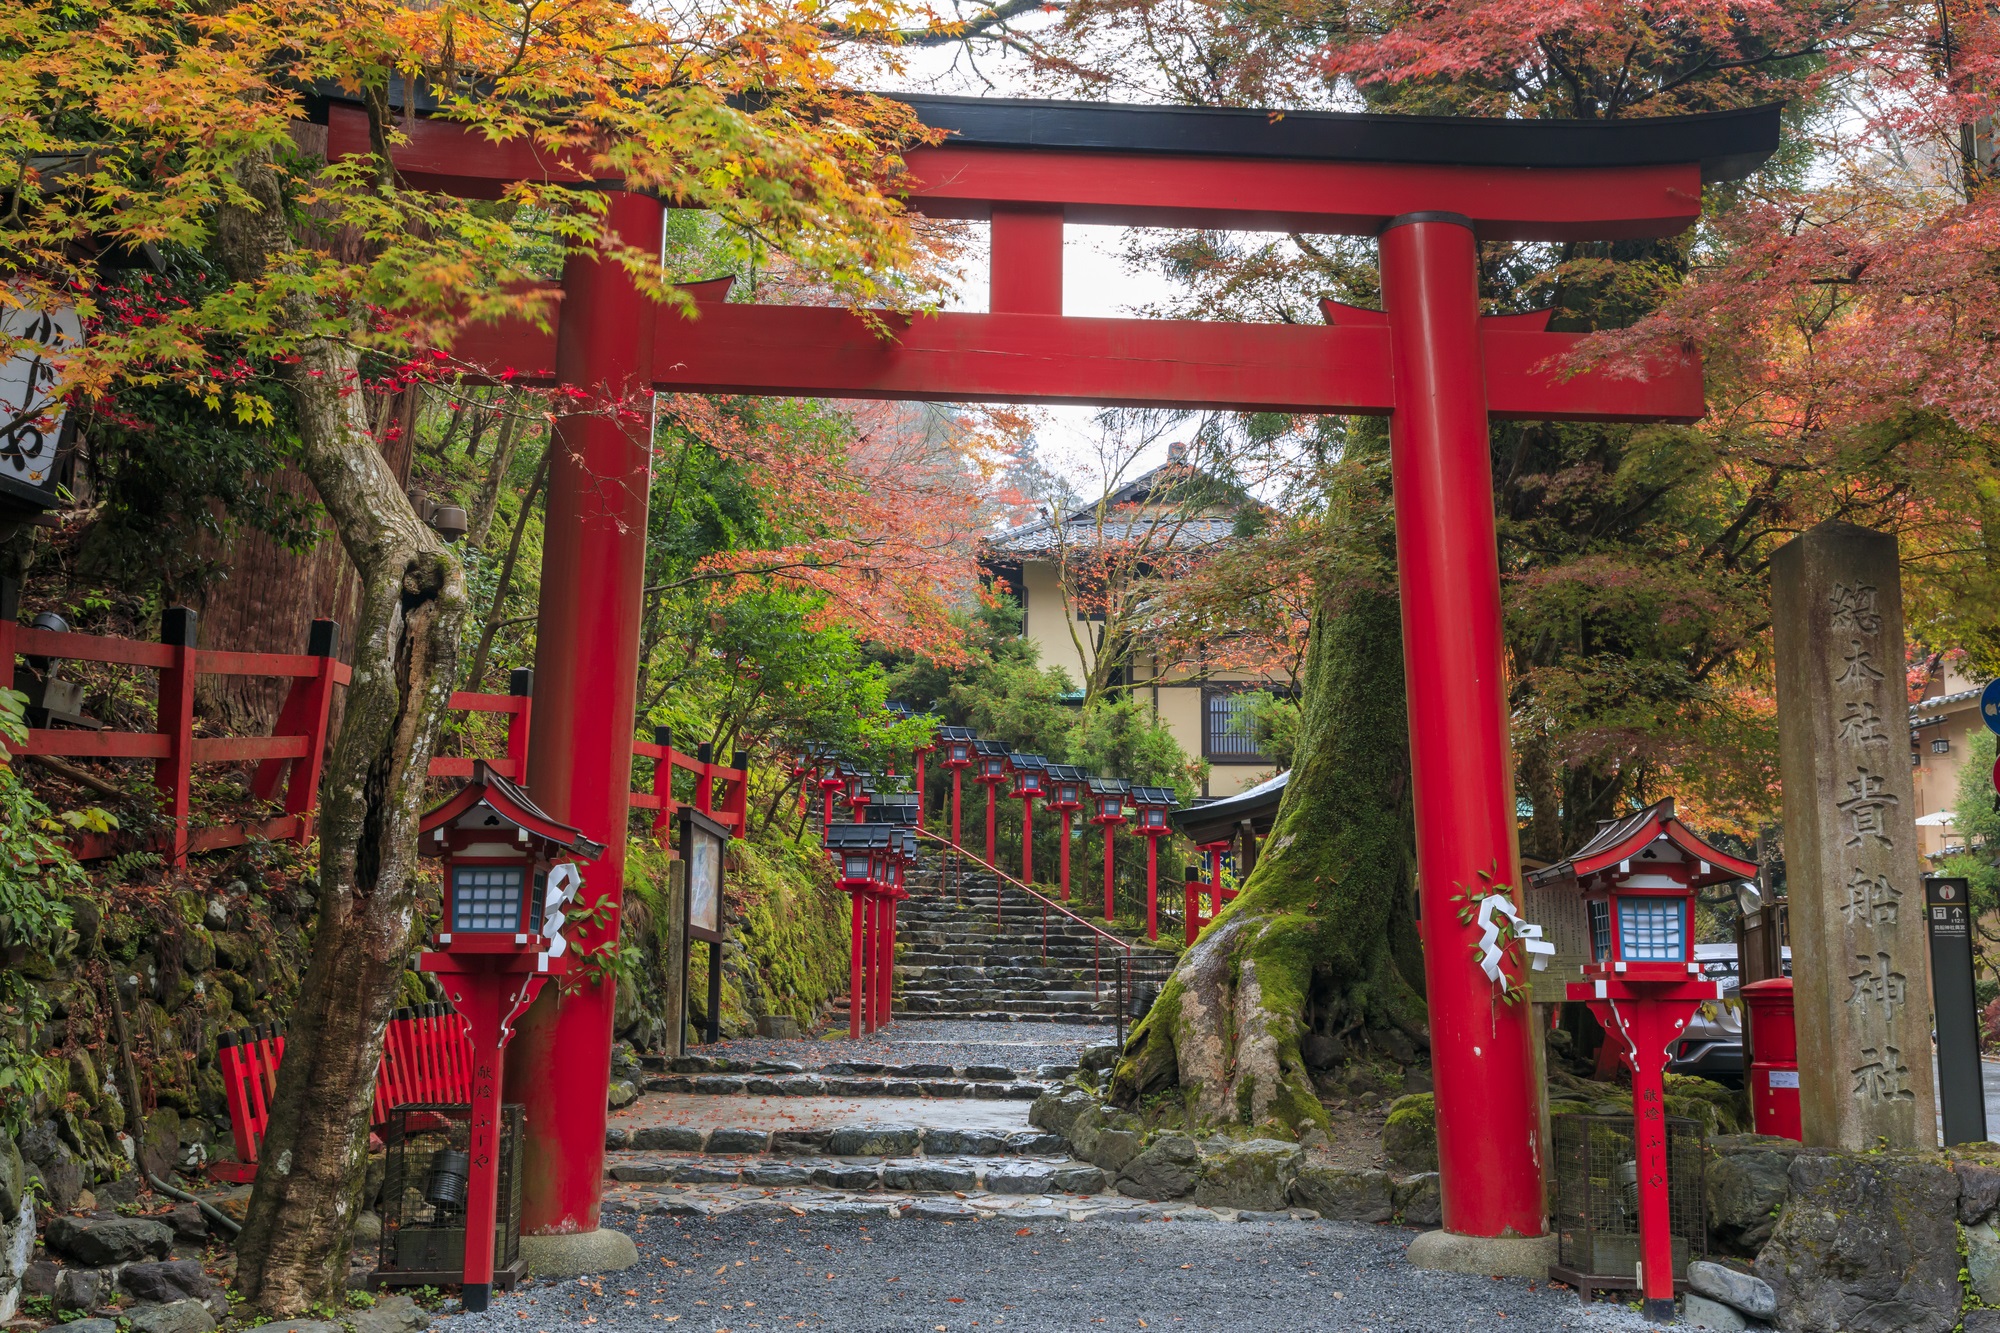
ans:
x=294 y=1248
x=1321 y=937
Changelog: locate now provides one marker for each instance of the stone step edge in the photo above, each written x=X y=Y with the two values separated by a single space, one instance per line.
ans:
x=703 y=1064
x=987 y=1016
x=933 y=1208
x=937 y=1175
x=840 y=1141
x=719 y=1085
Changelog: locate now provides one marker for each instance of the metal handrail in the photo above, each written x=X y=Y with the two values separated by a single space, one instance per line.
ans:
x=1004 y=880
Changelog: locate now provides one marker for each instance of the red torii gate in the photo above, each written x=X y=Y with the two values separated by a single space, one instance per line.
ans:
x=1429 y=187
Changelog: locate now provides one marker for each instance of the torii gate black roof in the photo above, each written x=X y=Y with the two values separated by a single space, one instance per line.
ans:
x=1728 y=144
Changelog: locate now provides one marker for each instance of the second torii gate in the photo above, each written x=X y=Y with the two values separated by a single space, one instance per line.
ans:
x=1430 y=188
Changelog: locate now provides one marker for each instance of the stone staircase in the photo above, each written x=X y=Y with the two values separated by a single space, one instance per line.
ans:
x=959 y=958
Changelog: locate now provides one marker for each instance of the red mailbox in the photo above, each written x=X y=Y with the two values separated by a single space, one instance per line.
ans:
x=1774 y=1058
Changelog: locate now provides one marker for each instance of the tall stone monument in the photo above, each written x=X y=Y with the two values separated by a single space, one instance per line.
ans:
x=1859 y=958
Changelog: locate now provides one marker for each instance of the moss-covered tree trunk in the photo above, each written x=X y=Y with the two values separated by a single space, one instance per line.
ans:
x=294 y=1247
x=1320 y=939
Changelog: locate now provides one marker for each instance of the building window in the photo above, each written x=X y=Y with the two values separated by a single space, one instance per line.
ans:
x=1649 y=930
x=1600 y=930
x=1226 y=728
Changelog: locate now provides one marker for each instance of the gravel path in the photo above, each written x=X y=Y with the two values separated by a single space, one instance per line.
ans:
x=902 y=1276
x=944 y=1042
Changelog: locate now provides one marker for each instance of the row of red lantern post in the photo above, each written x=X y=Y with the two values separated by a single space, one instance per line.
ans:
x=1063 y=789
x=870 y=862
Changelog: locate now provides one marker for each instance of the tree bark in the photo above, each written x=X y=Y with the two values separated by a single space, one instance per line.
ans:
x=294 y=1247
x=1320 y=939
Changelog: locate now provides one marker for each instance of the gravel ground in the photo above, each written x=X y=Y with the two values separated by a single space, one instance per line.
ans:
x=1019 y=1046
x=731 y=1274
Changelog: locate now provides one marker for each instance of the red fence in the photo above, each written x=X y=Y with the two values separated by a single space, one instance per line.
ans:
x=721 y=793
x=289 y=761
x=426 y=1057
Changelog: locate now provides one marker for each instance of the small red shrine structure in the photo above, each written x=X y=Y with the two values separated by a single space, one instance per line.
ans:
x=498 y=941
x=1429 y=188
x=1638 y=879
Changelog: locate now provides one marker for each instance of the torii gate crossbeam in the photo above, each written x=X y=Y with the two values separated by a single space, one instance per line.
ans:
x=1430 y=188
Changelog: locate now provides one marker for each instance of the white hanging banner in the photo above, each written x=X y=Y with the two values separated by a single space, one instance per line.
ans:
x=1490 y=951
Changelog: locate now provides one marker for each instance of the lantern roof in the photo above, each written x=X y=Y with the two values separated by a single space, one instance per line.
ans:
x=1065 y=773
x=859 y=837
x=990 y=748
x=1109 y=786
x=898 y=709
x=894 y=808
x=489 y=801
x=956 y=734
x=1029 y=763
x=1654 y=836
x=1163 y=797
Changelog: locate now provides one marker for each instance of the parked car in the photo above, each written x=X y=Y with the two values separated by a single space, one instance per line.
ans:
x=1711 y=1046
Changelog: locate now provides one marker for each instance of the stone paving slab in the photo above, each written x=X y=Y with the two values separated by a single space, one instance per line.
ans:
x=1021 y=1046
x=788 y=1113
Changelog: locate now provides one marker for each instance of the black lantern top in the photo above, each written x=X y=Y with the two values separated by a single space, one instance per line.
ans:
x=1153 y=805
x=498 y=846
x=1107 y=800
x=957 y=743
x=1031 y=773
x=992 y=757
x=1065 y=787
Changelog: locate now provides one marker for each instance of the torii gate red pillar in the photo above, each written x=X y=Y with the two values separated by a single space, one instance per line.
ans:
x=1447 y=559
x=586 y=682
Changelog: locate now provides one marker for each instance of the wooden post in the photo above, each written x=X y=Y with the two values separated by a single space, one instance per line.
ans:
x=174 y=719
x=520 y=684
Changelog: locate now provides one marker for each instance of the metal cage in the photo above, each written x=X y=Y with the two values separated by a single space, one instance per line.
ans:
x=1141 y=975
x=1596 y=1206
x=423 y=1197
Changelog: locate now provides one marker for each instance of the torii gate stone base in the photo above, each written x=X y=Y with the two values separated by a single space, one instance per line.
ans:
x=1430 y=188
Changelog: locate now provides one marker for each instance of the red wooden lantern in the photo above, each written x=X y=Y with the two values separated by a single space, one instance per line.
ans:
x=499 y=939
x=1031 y=773
x=956 y=744
x=992 y=774
x=1065 y=798
x=1107 y=807
x=864 y=858
x=1638 y=879
x=1152 y=806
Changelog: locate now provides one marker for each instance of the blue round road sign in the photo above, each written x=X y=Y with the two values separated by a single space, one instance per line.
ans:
x=1989 y=705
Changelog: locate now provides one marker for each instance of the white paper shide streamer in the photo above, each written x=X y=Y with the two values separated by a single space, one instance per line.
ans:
x=565 y=881
x=1491 y=951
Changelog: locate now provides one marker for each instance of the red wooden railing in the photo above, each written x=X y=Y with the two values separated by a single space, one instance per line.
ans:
x=290 y=760
x=1197 y=919
x=426 y=1057
x=722 y=793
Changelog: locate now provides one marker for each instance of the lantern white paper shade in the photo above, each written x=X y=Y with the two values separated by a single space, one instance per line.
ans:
x=1652 y=930
x=486 y=898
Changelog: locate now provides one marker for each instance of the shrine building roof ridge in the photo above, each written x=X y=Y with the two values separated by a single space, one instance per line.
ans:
x=1729 y=145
